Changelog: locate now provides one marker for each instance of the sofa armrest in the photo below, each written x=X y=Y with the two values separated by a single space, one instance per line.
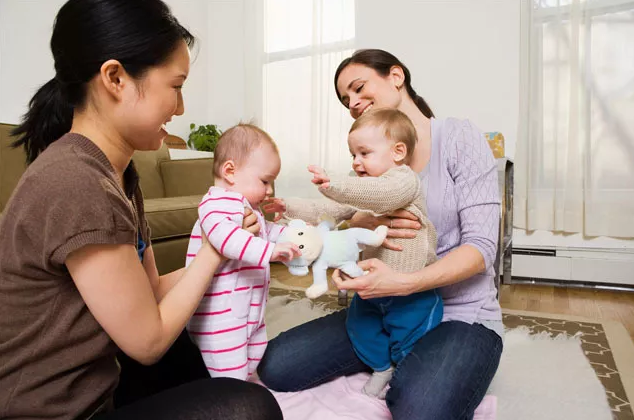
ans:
x=183 y=177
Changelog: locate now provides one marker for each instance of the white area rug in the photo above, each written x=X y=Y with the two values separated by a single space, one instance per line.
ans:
x=540 y=377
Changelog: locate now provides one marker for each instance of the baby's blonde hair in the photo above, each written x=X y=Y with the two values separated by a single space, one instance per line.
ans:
x=237 y=144
x=396 y=125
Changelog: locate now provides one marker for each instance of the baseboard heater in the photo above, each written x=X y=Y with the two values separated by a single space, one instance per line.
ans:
x=580 y=266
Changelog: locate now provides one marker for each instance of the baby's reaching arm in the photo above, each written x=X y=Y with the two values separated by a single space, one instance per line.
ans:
x=395 y=189
x=273 y=230
x=308 y=210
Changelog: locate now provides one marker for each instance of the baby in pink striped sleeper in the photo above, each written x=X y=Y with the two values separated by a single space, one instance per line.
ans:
x=228 y=326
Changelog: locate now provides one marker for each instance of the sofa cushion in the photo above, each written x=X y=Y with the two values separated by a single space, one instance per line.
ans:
x=12 y=164
x=187 y=176
x=171 y=217
x=147 y=165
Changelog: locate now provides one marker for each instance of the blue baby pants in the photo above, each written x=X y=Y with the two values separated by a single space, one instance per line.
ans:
x=384 y=330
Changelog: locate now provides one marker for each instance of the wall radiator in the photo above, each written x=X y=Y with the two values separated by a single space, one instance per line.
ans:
x=584 y=266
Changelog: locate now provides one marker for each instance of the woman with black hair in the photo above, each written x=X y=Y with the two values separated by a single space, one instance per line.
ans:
x=78 y=280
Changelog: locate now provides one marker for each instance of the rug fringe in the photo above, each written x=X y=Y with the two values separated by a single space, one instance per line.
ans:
x=545 y=335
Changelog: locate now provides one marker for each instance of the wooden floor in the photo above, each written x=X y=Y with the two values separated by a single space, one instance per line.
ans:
x=589 y=303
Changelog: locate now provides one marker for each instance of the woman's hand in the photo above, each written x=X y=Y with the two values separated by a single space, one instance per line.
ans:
x=380 y=281
x=250 y=222
x=274 y=205
x=401 y=224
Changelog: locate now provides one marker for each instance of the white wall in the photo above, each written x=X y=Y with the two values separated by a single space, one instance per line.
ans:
x=214 y=92
x=25 y=57
x=463 y=55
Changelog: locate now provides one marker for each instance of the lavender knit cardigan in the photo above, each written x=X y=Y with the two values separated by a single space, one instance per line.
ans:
x=463 y=203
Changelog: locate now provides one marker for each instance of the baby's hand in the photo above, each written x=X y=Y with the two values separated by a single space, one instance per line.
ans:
x=320 y=177
x=285 y=252
x=274 y=205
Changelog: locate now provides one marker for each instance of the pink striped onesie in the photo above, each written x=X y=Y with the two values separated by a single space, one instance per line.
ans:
x=228 y=326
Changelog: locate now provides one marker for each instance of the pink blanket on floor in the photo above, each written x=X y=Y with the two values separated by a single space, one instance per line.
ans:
x=343 y=399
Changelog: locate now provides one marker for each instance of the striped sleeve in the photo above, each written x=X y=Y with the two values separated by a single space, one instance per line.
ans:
x=220 y=214
x=273 y=231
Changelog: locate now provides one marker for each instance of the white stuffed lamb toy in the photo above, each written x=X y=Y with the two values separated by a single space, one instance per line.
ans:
x=326 y=248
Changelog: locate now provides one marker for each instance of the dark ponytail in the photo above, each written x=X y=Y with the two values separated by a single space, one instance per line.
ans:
x=140 y=34
x=419 y=101
x=382 y=62
x=49 y=117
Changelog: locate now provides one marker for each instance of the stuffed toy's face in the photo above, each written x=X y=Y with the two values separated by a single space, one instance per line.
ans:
x=306 y=237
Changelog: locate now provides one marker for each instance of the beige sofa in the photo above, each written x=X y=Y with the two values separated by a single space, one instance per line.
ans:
x=172 y=190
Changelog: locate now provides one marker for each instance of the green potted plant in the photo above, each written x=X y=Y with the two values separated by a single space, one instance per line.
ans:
x=204 y=138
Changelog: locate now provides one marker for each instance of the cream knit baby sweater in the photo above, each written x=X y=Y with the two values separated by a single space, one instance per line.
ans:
x=398 y=188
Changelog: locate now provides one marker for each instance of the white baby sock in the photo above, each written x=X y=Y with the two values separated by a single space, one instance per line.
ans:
x=377 y=383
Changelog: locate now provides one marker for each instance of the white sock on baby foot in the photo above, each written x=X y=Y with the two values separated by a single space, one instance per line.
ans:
x=377 y=383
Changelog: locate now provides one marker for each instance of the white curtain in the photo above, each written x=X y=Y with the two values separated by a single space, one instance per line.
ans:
x=575 y=154
x=298 y=46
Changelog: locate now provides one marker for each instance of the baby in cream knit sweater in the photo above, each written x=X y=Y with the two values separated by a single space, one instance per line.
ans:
x=382 y=330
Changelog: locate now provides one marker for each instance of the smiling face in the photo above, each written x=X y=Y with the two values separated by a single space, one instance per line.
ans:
x=372 y=153
x=381 y=139
x=361 y=88
x=151 y=102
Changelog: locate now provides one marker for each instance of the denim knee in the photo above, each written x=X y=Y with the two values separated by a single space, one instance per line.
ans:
x=447 y=373
x=309 y=355
x=406 y=403
x=274 y=369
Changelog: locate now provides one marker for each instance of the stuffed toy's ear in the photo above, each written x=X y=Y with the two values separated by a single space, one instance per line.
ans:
x=328 y=222
x=297 y=224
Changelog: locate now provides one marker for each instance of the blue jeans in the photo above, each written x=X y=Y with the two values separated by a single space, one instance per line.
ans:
x=445 y=376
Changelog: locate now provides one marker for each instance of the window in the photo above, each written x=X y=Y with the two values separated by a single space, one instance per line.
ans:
x=576 y=163
x=304 y=42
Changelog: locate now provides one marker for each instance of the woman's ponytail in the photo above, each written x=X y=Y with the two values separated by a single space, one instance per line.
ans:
x=421 y=103
x=50 y=116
